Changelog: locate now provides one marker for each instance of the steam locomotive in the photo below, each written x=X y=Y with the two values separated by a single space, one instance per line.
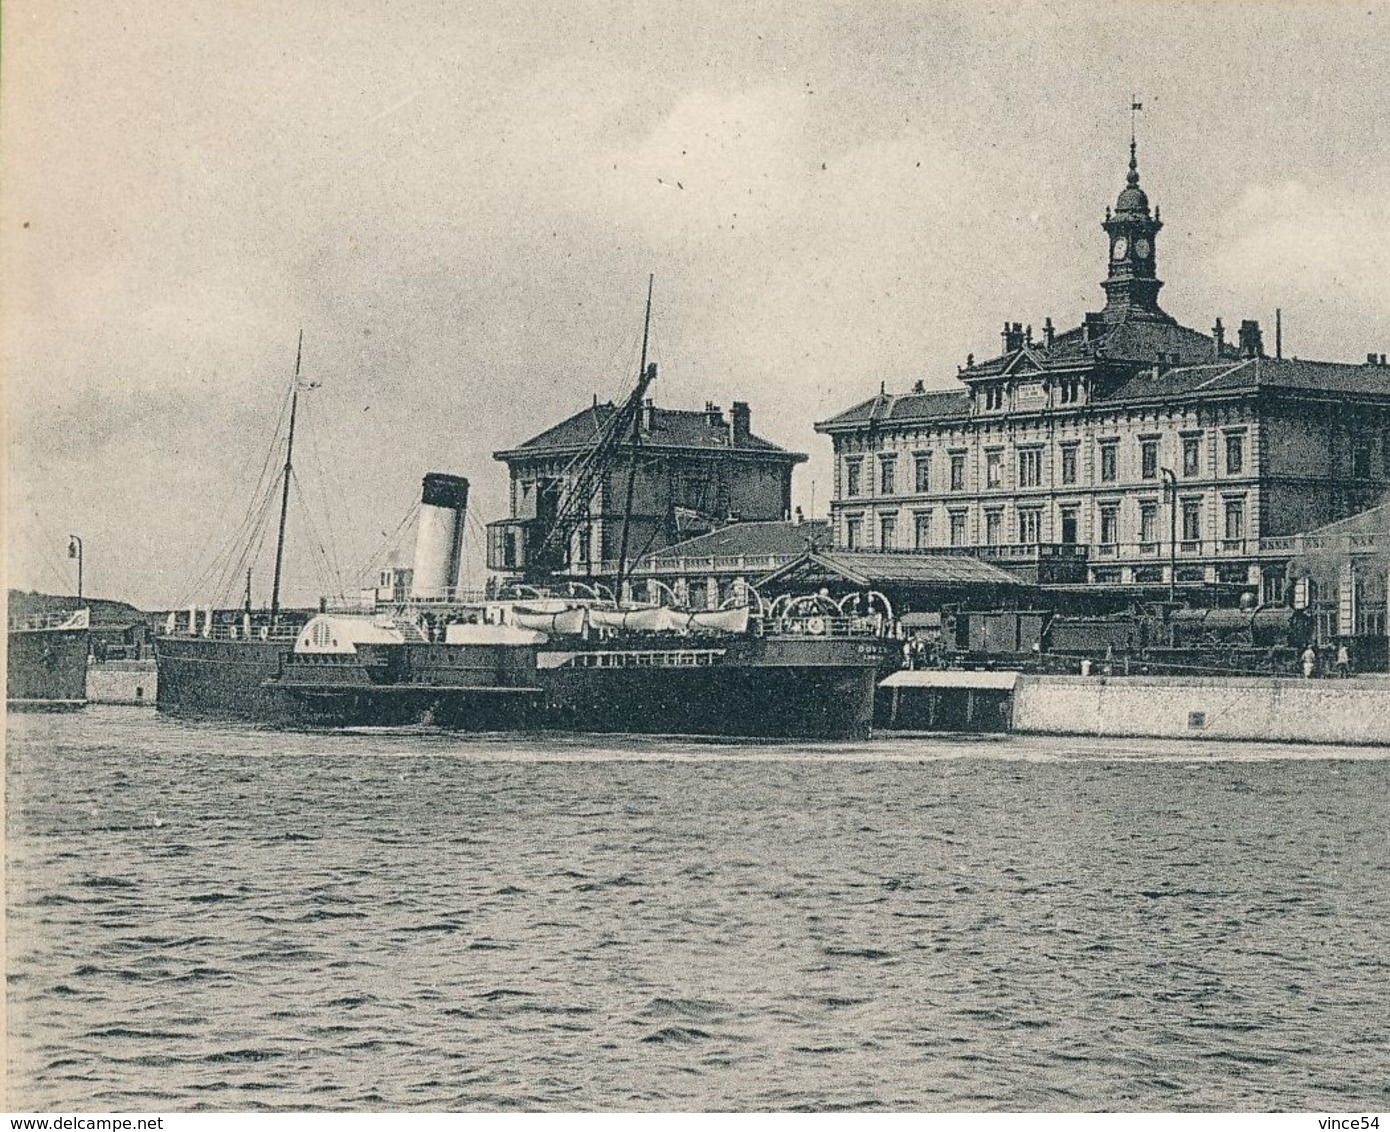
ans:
x=1155 y=640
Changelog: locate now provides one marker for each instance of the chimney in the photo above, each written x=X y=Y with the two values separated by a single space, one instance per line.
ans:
x=1251 y=344
x=1048 y=332
x=740 y=423
x=1028 y=334
x=714 y=414
x=1093 y=327
x=1218 y=332
x=800 y=517
x=648 y=415
x=1013 y=337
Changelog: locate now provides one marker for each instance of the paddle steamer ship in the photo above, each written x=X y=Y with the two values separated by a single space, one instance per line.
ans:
x=532 y=656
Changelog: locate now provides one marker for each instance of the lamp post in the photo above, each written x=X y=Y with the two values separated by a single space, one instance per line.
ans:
x=1170 y=485
x=75 y=551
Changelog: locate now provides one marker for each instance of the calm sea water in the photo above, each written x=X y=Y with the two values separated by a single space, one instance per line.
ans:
x=206 y=918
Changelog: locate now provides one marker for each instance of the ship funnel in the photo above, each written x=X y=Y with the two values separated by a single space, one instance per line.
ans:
x=439 y=540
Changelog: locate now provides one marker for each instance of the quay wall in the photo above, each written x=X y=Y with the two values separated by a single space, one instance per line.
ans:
x=122 y=682
x=1355 y=710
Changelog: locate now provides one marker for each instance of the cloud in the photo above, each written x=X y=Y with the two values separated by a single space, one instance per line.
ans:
x=1309 y=242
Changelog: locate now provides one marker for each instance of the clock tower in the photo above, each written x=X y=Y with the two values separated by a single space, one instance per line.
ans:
x=1131 y=289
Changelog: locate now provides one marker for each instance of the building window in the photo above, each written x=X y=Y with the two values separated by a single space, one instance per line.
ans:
x=1191 y=456
x=1235 y=518
x=1069 y=463
x=1148 y=523
x=1070 y=523
x=887 y=475
x=1191 y=521
x=1235 y=453
x=994 y=468
x=994 y=526
x=1070 y=391
x=854 y=533
x=1148 y=459
x=957 y=528
x=994 y=397
x=1109 y=524
x=1030 y=525
x=852 y=474
x=957 y=471
x=923 y=471
x=921 y=529
x=1030 y=467
x=887 y=532
x=1109 y=460
x=1361 y=457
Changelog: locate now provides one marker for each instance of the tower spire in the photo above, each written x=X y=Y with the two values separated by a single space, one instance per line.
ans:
x=1132 y=286
x=1134 y=107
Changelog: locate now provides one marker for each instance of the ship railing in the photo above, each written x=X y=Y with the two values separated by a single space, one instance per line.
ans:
x=225 y=632
x=646 y=658
x=818 y=625
x=60 y=620
x=750 y=564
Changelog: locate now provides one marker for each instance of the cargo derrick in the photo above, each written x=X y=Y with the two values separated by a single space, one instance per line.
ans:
x=540 y=548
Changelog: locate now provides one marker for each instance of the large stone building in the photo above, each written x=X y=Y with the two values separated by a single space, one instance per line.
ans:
x=1129 y=450
x=686 y=473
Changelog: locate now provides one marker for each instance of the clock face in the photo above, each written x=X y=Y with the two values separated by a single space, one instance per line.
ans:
x=1142 y=248
x=1121 y=246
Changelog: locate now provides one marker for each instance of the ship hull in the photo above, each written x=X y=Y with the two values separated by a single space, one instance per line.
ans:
x=751 y=687
x=46 y=669
x=260 y=682
x=758 y=687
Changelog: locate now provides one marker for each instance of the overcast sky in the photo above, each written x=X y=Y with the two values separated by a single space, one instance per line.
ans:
x=460 y=205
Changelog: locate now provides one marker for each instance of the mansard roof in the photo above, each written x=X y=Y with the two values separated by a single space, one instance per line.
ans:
x=696 y=430
x=1182 y=382
x=935 y=404
x=1127 y=340
x=1248 y=375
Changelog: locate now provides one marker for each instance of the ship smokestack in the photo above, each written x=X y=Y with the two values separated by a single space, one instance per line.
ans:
x=439 y=537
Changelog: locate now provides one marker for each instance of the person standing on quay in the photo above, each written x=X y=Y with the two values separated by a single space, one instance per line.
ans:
x=1310 y=661
x=1343 y=660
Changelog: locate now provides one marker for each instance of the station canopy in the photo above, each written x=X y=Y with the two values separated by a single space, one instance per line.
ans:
x=952 y=576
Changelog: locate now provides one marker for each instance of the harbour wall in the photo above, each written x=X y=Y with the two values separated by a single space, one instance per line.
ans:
x=122 y=682
x=1356 y=710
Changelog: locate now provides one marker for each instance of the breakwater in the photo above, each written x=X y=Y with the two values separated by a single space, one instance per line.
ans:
x=1227 y=707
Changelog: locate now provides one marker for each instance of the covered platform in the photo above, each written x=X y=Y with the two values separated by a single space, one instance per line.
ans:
x=946 y=700
x=912 y=581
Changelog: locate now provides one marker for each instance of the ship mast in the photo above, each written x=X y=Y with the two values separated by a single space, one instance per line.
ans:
x=285 y=494
x=632 y=456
